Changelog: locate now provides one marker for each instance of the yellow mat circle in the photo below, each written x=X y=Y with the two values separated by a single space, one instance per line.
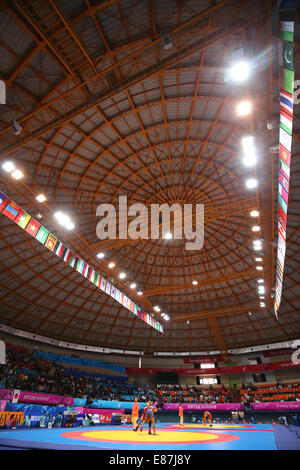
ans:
x=162 y=436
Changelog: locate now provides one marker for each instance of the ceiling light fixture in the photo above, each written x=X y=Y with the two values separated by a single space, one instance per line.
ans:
x=251 y=183
x=41 y=198
x=17 y=174
x=244 y=108
x=8 y=166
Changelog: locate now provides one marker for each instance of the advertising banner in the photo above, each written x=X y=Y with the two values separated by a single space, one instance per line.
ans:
x=276 y=406
x=33 y=397
x=217 y=371
x=203 y=406
x=6 y=415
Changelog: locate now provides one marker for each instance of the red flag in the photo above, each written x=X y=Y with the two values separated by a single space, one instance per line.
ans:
x=11 y=210
x=32 y=227
x=285 y=155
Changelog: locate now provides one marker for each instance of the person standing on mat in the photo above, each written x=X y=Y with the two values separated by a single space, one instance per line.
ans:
x=181 y=414
x=135 y=412
x=150 y=417
x=207 y=416
x=143 y=418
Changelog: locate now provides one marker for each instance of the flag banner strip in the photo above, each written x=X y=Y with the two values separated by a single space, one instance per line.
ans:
x=286 y=101
x=21 y=218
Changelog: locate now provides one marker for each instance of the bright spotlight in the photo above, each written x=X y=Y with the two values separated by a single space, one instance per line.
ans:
x=168 y=236
x=250 y=157
x=244 y=108
x=254 y=213
x=64 y=220
x=41 y=198
x=240 y=71
x=139 y=292
x=8 y=166
x=17 y=174
x=133 y=285
x=111 y=265
x=251 y=183
x=122 y=275
x=255 y=228
x=100 y=255
x=195 y=283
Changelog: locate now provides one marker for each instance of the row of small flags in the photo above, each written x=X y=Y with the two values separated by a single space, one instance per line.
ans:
x=12 y=211
x=286 y=57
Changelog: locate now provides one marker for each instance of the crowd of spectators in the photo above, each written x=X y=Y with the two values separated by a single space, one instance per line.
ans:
x=26 y=372
x=278 y=392
x=193 y=394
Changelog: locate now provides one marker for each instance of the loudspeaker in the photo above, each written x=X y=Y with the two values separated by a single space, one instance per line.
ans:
x=166 y=39
x=16 y=128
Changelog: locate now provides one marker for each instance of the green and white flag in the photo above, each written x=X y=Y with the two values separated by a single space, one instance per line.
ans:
x=42 y=235
x=287 y=31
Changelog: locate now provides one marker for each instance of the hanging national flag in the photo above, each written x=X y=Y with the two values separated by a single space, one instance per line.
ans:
x=107 y=288
x=113 y=292
x=96 y=277
x=286 y=121
x=285 y=155
x=117 y=295
x=80 y=265
x=283 y=181
x=135 y=309
x=3 y=200
x=286 y=102
x=124 y=300
x=287 y=80
x=284 y=169
x=60 y=249
x=103 y=284
x=91 y=275
x=281 y=245
x=282 y=214
x=287 y=30
x=51 y=242
x=85 y=271
x=283 y=194
x=285 y=139
x=67 y=255
x=16 y=396
x=282 y=203
x=42 y=235
x=288 y=55
x=281 y=231
x=32 y=227
x=73 y=260
x=11 y=210
x=22 y=219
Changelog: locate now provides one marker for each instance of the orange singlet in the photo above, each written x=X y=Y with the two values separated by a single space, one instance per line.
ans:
x=135 y=410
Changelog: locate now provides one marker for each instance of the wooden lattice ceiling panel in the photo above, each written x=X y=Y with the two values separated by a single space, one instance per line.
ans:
x=107 y=110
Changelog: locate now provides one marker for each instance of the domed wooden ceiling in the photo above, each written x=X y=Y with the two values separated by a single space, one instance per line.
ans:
x=133 y=98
